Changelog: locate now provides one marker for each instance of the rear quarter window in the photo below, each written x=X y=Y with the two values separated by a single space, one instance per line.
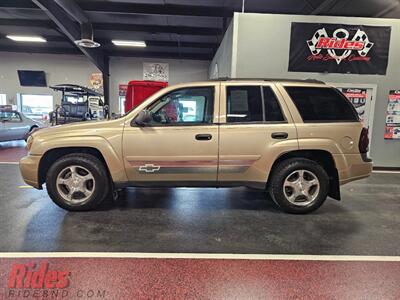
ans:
x=322 y=105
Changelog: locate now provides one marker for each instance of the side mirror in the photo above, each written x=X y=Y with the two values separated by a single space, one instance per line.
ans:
x=143 y=118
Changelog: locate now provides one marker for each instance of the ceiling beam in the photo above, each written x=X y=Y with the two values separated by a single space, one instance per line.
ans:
x=324 y=7
x=73 y=31
x=27 y=23
x=119 y=53
x=151 y=54
x=19 y=4
x=134 y=8
x=183 y=30
x=150 y=43
x=155 y=9
x=182 y=44
x=70 y=28
x=387 y=10
x=187 y=30
x=46 y=50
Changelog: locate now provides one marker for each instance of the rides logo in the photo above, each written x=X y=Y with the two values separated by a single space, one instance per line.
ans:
x=339 y=48
x=33 y=276
x=341 y=42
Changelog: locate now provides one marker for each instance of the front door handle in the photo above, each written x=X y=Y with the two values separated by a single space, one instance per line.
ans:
x=279 y=135
x=203 y=137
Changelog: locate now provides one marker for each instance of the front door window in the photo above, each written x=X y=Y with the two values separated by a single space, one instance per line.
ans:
x=184 y=107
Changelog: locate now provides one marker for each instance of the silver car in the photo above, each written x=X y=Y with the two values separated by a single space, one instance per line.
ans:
x=16 y=126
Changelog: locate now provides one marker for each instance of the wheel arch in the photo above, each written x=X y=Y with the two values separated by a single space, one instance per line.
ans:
x=322 y=157
x=54 y=154
x=33 y=126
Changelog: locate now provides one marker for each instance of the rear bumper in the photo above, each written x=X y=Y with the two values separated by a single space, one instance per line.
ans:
x=29 y=167
x=352 y=167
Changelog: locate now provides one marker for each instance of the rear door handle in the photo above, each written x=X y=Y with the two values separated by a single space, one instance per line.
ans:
x=279 y=135
x=203 y=137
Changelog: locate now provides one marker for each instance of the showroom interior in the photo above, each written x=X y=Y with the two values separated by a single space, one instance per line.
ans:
x=89 y=62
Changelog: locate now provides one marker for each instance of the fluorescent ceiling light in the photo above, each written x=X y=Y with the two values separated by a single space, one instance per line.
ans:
x=129 y=43
x=20 y=38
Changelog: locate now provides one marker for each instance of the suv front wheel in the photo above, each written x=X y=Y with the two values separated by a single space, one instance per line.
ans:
x=78 y=182
x=299 y=185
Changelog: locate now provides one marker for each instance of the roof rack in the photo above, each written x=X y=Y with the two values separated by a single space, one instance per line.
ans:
x=75 y=89
x=308 y=80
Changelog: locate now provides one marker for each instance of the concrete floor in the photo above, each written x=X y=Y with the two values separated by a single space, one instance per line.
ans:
x=365 y=222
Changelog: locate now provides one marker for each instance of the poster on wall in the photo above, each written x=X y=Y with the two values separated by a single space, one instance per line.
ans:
x=156 y=71
x=339 y=48
x=357 y=97
x=392 y=128
x=122 y=88
x=96 y=82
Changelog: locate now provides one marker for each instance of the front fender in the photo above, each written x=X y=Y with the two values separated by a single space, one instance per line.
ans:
x=111 y=155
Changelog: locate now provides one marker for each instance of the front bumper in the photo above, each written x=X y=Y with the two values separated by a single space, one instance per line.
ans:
x=29 y=167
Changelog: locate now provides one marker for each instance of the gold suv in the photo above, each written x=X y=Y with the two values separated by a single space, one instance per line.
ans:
x=298 y=140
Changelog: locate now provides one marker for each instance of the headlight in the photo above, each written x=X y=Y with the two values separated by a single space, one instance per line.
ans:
x=29 y=143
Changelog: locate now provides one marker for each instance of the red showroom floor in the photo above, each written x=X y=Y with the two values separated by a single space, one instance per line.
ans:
x=12 y=151
x=187 y=278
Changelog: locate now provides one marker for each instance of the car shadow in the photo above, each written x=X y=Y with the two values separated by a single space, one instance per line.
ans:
x=205 y=198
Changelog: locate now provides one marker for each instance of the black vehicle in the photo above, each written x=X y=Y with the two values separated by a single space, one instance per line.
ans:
x=78 y=104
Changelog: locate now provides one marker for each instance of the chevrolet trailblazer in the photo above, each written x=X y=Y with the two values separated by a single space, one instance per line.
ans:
x=298 y=140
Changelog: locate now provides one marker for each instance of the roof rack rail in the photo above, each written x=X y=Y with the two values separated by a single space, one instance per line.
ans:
x=309 y=80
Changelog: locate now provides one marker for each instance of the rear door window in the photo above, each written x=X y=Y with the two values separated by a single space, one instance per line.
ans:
x=273 y=112
x=244 y=104
x=322 y=105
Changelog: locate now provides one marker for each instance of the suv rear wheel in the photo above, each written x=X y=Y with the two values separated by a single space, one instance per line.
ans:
x=299 y=185
x=78 y=182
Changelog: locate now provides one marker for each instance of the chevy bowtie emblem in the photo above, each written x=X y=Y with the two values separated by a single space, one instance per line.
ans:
x=149 y=168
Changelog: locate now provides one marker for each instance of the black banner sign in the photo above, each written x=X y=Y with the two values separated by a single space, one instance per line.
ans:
x=339 y=48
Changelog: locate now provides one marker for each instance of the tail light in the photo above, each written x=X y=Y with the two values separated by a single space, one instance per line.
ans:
x=364 y=141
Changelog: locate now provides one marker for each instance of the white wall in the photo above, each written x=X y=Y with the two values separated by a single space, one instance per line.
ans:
x=221 y=65
x=76 y=69
x=262 y=51
x=123 y=69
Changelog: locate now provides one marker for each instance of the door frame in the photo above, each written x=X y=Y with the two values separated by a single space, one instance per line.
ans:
x=173 y=178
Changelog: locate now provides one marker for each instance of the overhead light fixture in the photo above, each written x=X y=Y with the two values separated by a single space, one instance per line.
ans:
x=87 y=43
x=21 y=38
x=129 y=43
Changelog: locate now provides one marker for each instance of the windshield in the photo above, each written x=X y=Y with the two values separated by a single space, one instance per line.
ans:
x=9 y=116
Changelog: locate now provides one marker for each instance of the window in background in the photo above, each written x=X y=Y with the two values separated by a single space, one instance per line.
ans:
x=36 y=106
x=3 y=99
x=121 y=105
x=73 y=99
x=10 y=116
x=244 y=104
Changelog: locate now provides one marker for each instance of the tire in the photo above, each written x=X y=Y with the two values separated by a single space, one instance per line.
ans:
x=91 y=177
x=295 y=195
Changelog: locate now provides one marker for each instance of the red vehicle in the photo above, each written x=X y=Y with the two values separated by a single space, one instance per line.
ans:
x=138 y=91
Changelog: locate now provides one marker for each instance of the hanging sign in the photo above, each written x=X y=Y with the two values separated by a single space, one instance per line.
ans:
x=96 y=82
x=156 y=71
x=122 y=88
x=339 y=48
